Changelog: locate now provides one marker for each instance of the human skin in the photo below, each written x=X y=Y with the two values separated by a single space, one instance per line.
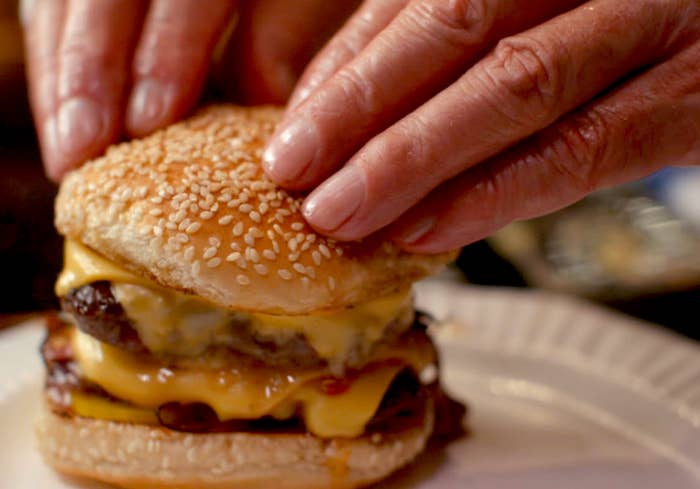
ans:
x=102 y=70
x=437 y=121
x=442 y=121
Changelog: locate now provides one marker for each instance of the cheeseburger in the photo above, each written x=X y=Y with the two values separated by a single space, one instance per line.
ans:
x=209 y=338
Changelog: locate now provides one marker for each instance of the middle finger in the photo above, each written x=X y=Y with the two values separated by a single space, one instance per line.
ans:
x=422 y=48
x=524 y=85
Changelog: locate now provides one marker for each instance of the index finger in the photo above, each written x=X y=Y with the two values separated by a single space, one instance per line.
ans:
x=43 y=25
x=421 y=49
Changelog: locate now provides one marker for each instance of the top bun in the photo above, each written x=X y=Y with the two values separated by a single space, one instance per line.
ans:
x=190 y=208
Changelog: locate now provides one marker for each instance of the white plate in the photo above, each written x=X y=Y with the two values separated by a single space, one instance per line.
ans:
x=563 y=396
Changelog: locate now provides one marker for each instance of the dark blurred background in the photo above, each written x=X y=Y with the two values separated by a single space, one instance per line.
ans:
x=30 y=251
x=632 y=249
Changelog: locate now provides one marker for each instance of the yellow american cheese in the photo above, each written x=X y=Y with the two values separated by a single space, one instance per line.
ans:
x=175 y=323
x=82 y=266
x=171 y=322
x=249 y=393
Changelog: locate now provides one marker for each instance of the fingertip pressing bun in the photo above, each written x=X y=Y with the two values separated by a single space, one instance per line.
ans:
x=139 y=457
x=190 y=207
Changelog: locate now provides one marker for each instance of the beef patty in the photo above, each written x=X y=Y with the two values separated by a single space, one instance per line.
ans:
x=97 y=312
x=403 y=404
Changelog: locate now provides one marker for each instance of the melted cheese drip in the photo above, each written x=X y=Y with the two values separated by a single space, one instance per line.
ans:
x=250 y=393
x=174 y=323
x=179 y=324
x=82 y=266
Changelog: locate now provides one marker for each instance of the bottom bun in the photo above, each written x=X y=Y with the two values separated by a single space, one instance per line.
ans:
x=138 y=456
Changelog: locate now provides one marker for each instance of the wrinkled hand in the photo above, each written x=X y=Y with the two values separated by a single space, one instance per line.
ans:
x=446 y=120
x=99 y=69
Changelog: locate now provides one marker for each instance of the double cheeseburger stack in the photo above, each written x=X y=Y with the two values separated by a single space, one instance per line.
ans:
x=210 y=338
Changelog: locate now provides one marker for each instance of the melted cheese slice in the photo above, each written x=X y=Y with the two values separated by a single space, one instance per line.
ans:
x=170 y=322
x=249 y=393
x=82 y=266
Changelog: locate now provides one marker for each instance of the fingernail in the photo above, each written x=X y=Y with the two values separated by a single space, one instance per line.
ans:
x=79 y=123
x=147 y=106
x=298 y=98
x=417 y=230
x=292 y=151
x=336 y=200
x=54 y=165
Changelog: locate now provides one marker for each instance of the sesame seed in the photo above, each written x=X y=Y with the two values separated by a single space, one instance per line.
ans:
x=233 y=256
x=255 y=216
x=263 y=208
x=251 y=254
x=214 y=241
x=275 y=247
x=157 y=230
x=293 y=256
x=255 y=232
x=331 y=283
x=299 y=268
x=193 y=228
x=178 y=216
x=226 y=220
x=269 y=254
x=297 y=226
x=311 y=272
x=238 y=229
x=284 y=274
x=242 y=279
x=189 y=253
x=316 y=256
x=242 y=263
x=206 y=215
x=195 y=267
x=245 y=208
x=249 y=240
x=214 y=262
x=182 y=237
x=155 y=212
x=209 y=253
x=260 y=269
x=324 y=250
x=292 y=245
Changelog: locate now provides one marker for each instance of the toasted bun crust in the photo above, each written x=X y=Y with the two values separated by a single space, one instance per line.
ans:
x=191 y=208
x=140 y=457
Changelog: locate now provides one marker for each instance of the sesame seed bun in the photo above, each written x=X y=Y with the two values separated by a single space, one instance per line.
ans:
x=138 y=456
x=190 y=208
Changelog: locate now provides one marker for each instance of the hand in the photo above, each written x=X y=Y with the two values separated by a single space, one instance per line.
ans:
x=446 y=120
x=99 y=69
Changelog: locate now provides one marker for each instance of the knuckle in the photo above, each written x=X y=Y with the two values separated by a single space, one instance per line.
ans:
x=85 y=68
x=527 y=75
x=457 y=22
x=359 y=90
x=581 y=148
x=409 y=152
